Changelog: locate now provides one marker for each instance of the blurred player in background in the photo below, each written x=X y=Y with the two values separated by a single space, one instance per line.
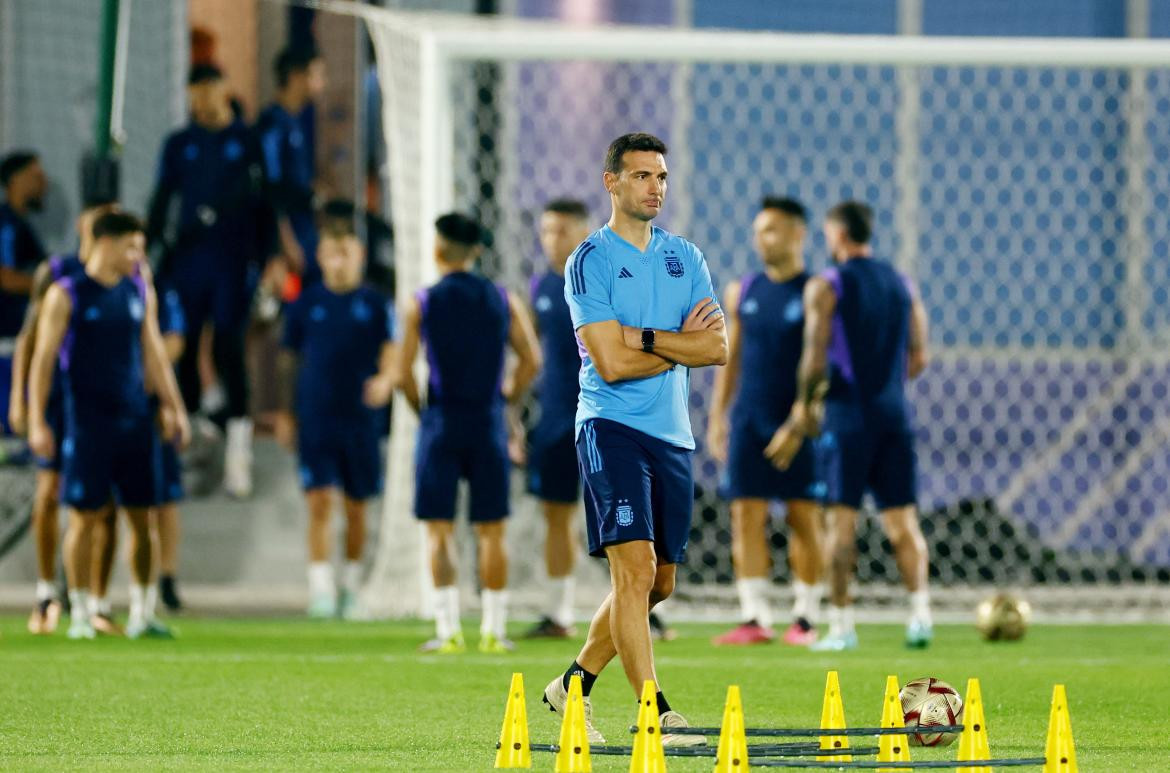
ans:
x=102 y=324
x=864 y=334
x=46 y=501
x=765 y=326
x=287 y=132
x=173 y=327
x=338 y=339
x=465 y=323
x=24 y=184
x=645 y=312
x=552 y=457
x=208 y=215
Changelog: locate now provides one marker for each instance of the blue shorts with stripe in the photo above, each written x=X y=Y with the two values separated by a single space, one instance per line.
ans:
x=553 y=474
x=637 y=487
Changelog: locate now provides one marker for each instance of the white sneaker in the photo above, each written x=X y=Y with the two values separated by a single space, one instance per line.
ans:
x=350 y=608
x=237 y=458
x=673 y=719
x=81 y=628
x=323 y=606
x=148 y=628
x=556 y=696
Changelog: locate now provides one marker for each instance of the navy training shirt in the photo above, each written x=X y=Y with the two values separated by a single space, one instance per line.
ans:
x=340 y=340
x=771 y=333
x=559 y=383
x=20 y=250
x=101 y=355
x=465 y=320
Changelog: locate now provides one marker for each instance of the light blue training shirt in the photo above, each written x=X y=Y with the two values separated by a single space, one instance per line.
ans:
x=609 y=278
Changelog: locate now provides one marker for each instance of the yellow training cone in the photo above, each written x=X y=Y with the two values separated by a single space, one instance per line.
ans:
x=573 y=756
x=973 y=740
x=648 y=756
x=512 y=751
x=833 y=718
x=892 y=748
x=732 y=756
x=1059 y=752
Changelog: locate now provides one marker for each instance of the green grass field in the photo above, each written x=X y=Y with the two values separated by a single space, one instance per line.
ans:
x=295 y=695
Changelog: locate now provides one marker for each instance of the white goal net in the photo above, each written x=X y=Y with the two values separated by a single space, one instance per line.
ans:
x=1023 y=183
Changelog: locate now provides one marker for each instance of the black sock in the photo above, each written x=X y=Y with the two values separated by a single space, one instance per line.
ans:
x=587 y=679
x=663 y=706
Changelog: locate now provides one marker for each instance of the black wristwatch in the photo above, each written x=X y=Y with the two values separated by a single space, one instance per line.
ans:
x=648 y=340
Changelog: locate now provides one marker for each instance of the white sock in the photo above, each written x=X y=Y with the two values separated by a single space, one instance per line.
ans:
x=351 y=576
x=560 y=601
x=755 y=590
x=102 y=605
x=45 y=591
x=321 y=579
x=920 y=606
x=800 y=598
x=137 y=603
x=815 y=592
x=840 y=620
x=447 y=612
x=94 y=609
x=151 y=601
x=495 y=613
x=747 y=601
x=78 y=603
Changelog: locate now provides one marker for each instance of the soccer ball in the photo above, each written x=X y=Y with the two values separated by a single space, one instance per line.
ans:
x=1003 y=617
x=928 y=702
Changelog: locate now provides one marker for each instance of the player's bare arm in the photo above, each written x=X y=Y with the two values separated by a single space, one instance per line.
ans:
x=522 y=339
x=407 y=351
x=726 y=378
x=812 y=376
x=702 y=341
x=173 y=412
x=51 y=326
x=379 y=388
x=919 y=355
x=284 y=422
x=22 y=353
x=614 y=359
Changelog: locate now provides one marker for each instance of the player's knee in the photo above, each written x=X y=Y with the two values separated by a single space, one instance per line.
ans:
x=663 y=587
x=636 y=577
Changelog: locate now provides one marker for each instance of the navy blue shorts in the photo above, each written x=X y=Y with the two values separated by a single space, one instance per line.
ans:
x=750 y=475
x=553 y=474
x=451 y=448
x=171 y=474
x=343 y=454
x=637 y=487
x=103 y=458
x=851 y=462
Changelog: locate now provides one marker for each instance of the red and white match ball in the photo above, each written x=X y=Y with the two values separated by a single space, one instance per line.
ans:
x=928 y=702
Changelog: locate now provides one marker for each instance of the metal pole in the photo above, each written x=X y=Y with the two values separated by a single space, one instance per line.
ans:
x=107 y=59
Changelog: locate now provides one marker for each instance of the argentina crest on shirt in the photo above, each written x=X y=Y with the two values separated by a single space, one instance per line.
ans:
x=674 y=264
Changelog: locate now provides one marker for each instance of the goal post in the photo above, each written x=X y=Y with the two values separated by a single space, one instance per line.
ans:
x=1019 y=181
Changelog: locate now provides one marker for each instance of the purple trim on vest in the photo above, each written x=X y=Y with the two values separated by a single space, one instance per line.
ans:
x=56 y=266
x=534 y=286
x=745 y=287
x=66 y=350
x=838 y=343
x=139 y=284
x=908 y=283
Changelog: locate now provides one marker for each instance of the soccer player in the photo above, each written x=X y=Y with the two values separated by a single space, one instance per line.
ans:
x=466 y=323
x=46 y=612
x=211 y=174
x=645 y=313
x=864 y=334
x=553 y=475
x=103 y=326
x=765 y=326
x=24 y=184
x=288 y=137
x=342 y=333
x=173 y=327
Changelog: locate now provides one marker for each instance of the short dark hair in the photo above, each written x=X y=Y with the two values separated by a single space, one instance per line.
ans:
x=204 y=73
x=337 y=218
x=14 y=163
x=857 y=219
x=460 y=229
x=631 y=142
x=294 y=59
x=117 y=224
x=787 y=205
x=572 y=207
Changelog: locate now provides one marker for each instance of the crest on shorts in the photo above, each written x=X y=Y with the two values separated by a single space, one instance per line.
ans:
x=674 y=264
x=625 y=515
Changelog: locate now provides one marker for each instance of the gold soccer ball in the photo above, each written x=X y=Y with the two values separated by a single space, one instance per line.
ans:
x=1003 y=617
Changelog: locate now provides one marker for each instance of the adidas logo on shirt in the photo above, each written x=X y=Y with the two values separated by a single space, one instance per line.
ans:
x=625 y=274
